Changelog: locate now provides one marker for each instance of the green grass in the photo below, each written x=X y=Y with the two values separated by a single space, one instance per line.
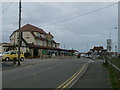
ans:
x=116 y=62
x=114 y=76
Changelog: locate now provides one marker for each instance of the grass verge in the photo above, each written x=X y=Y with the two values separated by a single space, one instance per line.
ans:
x=114 y=76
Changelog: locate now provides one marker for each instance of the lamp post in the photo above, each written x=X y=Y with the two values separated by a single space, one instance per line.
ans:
x=116 y=46
x=110 y=38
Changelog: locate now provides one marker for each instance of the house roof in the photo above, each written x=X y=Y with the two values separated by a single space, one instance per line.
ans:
x=50 y=34
x=31 y=28
x=98 y=48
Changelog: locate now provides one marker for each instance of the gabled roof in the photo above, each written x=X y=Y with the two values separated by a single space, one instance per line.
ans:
x=50 y=34
x=31 y=28
x=98 y=48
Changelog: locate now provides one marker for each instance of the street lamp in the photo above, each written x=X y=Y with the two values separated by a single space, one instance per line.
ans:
x=110 y=39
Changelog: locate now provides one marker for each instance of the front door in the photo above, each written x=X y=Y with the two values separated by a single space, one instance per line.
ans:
x=35 y=52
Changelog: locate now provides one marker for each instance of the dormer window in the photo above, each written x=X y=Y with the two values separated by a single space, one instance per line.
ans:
x=38 y=34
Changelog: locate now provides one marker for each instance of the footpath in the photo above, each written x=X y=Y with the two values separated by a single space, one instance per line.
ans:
x=96 y=76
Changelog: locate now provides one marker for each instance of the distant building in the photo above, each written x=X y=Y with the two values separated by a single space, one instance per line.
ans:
x=96 y=52
x=3 y=47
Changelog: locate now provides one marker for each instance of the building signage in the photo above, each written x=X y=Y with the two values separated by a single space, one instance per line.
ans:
x=44 y=52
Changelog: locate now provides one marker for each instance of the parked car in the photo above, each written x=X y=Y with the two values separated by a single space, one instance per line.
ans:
x=11 y=55
x=78 y=56
x=0 y=54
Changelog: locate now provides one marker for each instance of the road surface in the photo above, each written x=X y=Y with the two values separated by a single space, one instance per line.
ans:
x=50 y=74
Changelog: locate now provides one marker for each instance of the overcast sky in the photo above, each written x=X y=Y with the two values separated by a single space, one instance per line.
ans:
x=81 y=33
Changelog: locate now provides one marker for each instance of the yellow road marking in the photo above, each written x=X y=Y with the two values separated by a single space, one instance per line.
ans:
x=68 y=79
x=73 y=78
x=65 y=84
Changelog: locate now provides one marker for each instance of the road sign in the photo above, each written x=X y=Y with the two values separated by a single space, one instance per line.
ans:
x=44 y=52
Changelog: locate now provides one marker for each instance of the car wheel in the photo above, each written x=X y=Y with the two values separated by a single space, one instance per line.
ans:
x=22 y=59
x=7 y=59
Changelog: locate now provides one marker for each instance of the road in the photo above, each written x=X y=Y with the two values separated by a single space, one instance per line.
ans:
x=50 y=74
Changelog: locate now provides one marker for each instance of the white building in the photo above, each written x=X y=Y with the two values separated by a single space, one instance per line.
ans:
x=34 y=40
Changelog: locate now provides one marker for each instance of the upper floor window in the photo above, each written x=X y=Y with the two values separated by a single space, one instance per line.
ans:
x=38 y=34
x=37 y=42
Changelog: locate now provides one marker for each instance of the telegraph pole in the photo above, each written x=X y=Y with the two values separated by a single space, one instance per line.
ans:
x=119 y=28
x=19 y=44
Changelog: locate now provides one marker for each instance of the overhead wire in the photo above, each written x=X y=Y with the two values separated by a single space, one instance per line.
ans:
x=6 y=8
x=87 y=13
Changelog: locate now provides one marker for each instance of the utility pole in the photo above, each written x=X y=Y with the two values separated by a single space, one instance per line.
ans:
x=119 y=28
x=19 y=44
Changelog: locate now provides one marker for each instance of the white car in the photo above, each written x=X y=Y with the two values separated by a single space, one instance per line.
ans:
x=0 y=54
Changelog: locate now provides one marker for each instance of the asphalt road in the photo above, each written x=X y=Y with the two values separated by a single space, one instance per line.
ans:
x=50 y=74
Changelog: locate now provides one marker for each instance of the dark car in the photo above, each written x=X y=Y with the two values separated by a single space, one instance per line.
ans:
x=78 y=56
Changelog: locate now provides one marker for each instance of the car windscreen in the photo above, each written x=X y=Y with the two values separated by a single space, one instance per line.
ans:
x=5 y=53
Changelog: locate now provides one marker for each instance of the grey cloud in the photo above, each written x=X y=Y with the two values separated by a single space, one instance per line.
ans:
x=92 y=29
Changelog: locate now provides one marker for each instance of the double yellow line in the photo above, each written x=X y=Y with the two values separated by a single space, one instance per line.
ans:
x=71 y=79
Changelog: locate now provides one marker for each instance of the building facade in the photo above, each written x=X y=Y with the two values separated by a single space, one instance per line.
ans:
x=96 y=52
x=36 y=42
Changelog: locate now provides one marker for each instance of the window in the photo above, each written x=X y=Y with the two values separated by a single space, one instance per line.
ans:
x=5 y=53
x=37 y=42
x=38 y=34
x=44 y=43
x=13 y=52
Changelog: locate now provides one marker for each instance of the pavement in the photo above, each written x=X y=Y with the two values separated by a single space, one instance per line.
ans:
x=96 y=76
